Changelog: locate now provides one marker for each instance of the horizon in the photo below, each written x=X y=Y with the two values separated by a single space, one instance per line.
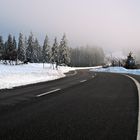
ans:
x=111 y=24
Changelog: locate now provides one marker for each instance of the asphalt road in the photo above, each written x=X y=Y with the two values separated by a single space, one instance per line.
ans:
x=87 y=106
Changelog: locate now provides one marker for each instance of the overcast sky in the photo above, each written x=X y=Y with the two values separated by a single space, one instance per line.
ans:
x=111 y=24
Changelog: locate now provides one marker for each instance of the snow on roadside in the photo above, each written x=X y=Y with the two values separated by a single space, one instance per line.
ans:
x=19 y=75
x=13 y=76
x=82 y=68
x=118 y=70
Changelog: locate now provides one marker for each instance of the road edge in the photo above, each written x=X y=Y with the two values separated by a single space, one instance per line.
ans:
x=73 y=74
x=138 y=88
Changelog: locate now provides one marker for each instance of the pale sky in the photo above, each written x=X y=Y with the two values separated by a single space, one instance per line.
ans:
x=111 y=24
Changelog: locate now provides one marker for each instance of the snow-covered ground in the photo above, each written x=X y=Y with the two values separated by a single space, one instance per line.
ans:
x=17 y=75
x=118 y=70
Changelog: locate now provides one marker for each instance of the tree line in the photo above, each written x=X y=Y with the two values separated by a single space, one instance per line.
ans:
x=87 y=56
x=29 y=50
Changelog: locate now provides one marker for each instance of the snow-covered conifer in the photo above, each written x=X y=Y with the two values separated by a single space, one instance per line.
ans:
x=21 y=48
x=46 y=52
x=14 y=52
x=64 y=52
x=14 y=43
x=30 y=47
x=10 y=47
x=1 y=48
x=36 y=51
x=55 y=52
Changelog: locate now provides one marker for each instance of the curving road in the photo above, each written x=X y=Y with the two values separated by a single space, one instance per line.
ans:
x=85 y=106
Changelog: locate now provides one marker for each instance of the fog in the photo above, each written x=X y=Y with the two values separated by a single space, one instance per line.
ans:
x=111 y=24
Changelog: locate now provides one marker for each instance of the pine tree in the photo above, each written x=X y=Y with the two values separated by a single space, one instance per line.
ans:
x=64 y=52
x=36 y=53
x=5 y=55
x=21 y=48
x=25 y=47
x=14 y=43
x=30 y=48
x=1 y=48
x=9 y=43
x=55 y=52
x=10 y=47
x=130 y=62
x=14 y=53
x=40 y=54
x=46 y=52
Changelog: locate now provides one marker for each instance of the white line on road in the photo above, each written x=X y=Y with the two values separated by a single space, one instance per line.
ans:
x=48 y=92
x=138 y=88
x=83 y=81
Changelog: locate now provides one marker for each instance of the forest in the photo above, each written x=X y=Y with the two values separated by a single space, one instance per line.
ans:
x=28 y=49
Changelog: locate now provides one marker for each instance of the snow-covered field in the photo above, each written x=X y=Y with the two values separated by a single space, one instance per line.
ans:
x=118 y=70
x=17 y=75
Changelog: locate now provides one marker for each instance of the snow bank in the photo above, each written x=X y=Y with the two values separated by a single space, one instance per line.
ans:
x=82 y=68
x=13 y=76
x=118 y=70
x=18 y=75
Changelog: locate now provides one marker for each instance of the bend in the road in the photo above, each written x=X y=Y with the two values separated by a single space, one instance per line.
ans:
x=138 y=88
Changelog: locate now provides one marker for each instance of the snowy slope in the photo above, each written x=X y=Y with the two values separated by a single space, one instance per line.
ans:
x=12 y=76
x=118 y=70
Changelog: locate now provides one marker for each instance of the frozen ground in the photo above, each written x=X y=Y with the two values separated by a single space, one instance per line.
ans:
x=118 y=70
x=12 y=76
x=18 y=75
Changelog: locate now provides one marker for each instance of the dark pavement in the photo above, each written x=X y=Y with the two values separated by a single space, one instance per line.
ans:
x=104 y=107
